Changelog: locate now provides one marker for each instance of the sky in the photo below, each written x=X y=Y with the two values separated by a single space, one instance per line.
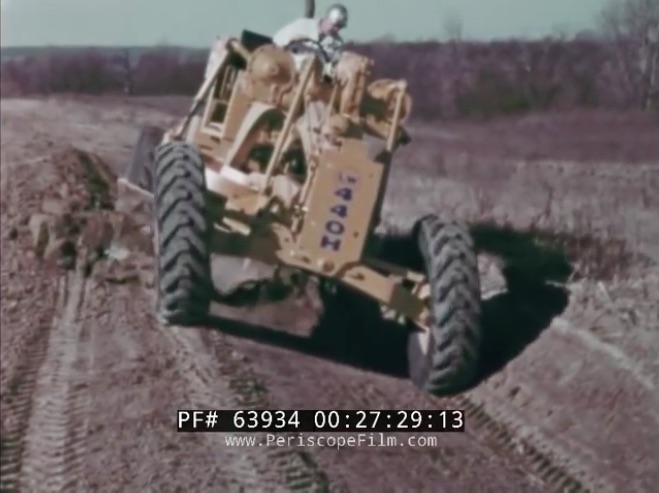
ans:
x=197 y=22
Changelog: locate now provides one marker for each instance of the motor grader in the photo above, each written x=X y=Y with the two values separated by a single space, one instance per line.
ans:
x=276 y=164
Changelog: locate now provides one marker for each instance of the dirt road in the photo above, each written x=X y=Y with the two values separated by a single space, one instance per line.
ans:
x=90 y=382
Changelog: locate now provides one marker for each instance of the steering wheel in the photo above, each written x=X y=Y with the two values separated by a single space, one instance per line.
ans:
x=302 y=41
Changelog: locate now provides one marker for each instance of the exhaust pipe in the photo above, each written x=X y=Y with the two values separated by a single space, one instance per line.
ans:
x=309 y=8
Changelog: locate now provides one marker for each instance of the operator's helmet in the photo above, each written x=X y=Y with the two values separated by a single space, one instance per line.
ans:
x=337 y=14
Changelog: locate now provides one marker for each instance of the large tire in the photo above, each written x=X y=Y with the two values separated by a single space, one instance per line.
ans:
x=183 y=232
x=445 y=359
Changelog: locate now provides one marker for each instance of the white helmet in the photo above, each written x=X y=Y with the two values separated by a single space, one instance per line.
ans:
x=337 y=14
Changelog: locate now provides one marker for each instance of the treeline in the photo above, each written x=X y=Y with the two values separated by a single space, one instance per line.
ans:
x=139 y=71
x=447 y=80
x=484 y=79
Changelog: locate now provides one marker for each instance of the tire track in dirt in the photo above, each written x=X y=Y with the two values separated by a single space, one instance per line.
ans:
x=27 y=337
x=22 y=401
x=255 y=469
x=135 y=388
x=499 y=433
x=55 y=435
x=615 y=355
x=299 y=468
x=57 y=413
x=586 y=439
x=492 y=444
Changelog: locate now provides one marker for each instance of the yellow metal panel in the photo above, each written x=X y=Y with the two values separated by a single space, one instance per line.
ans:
x=340 y=206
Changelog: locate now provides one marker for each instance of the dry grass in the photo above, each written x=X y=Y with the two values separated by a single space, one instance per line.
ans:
x=577 y=183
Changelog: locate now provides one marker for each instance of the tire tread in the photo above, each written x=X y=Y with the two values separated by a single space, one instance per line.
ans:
x=183 y=235
x=451 y=266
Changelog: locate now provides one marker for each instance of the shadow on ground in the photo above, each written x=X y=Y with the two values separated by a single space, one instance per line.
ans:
x=352 y=331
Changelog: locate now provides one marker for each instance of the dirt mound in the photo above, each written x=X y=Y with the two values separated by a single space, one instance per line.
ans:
x=68 y=180
x=87 y=178
x=70 y=215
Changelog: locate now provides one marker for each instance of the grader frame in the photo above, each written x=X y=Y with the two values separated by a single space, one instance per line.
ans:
x=325 y=228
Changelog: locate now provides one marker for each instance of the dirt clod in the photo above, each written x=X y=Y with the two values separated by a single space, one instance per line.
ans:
x=117 y=272
x=97 y=234
x=60 y=252
x=132 y=234
x=55 y=207
x=39 y=225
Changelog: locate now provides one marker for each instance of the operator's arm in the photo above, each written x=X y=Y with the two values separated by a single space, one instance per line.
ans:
x=334 y=47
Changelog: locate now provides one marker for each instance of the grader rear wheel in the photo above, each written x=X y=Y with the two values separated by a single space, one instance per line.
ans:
x=444 y=358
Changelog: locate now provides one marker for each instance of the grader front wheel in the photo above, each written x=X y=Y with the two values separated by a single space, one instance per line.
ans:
x=444 y=358
x=182 y=236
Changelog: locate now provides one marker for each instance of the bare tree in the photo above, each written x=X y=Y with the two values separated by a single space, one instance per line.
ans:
x=126 y=68
x=309 y=8
x=453 y=27
x=650 y=68
x=537 y=71
x=632 y=28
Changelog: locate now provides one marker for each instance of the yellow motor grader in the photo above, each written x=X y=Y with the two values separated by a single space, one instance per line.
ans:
x=275 y=164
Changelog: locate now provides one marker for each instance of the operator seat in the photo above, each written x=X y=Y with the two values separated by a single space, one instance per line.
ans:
x=253 y=40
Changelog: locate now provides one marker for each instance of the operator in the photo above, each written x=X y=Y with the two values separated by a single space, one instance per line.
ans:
x=324 y=31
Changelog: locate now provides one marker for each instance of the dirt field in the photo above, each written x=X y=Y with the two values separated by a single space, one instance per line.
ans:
x=567 y=400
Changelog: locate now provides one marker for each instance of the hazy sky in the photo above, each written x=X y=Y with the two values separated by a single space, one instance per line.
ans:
x=196 y=22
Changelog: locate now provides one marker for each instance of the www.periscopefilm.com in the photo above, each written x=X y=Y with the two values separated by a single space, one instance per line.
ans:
x=332 y=441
